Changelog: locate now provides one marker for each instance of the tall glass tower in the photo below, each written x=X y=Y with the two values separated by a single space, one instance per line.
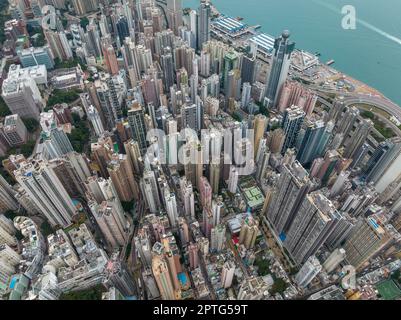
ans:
x=280 y=65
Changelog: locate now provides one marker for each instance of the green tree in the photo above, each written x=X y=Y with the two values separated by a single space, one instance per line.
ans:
x=279 y=286
x=28 y=148
x=94 y=293
x=4 y=111
x=46 y=228
x=84 y=22
x=31 y=124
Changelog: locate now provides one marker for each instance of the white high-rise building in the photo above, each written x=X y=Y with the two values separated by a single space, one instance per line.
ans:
x=46 y=191
x=7 y=199
x=334 y=260
x=233 y=180
x=227 y=274
x=308 y=272
x=171 y=207
x=7 y=231
x=217 y=238
x=94 y=118
x=187 y=195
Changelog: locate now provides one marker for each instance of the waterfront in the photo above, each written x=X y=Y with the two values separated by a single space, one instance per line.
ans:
x=367 y=53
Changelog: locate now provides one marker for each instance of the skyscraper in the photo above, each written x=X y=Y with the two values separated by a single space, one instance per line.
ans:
x=174 y=15
x=110 y=223
x=204 y=14
x=314 y=142
x=290 y=191
x=227 y=274
x=137 y=122
x=312 y=225
x=308 y=272
x=163 y=278
x=279 y=68
x=365 y=240
x=292 y=123
x=121 y=174
x=249 y=232
x=47 y=192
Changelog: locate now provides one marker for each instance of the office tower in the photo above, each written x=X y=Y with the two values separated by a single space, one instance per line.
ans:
x=253 y=288
x=120 y=171
x=22 y=97
x=260 y=127
x=151 y=191
x=205 y=191
x=249 y=232
x=193 y=256
x=7 y=231
x=275 y=140
x=137 y=122
x=187 y=196
x=248 y=66
x=118 y=276
x=46 y=191
x=294 y=93
x=174 y=15
x=218 y=238
x=279 y=67
x=366 y=239
x=292 y=123
x=171 y=207
x=204 y=15
x=167 y=64
x=308 y=272
x=233 y=180
x=312 y=225
x=122 y=28
x=289 y=193
x=314 y=142
x=7 y=196
x=110 y=223
x=227 y=274
x=231 y=62
x=35 y=56
x=334 y=260
x=246 y=95
x=163 y=279
x=14 y=130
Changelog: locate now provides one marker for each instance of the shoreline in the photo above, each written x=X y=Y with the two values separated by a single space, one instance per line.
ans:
x=361 y=88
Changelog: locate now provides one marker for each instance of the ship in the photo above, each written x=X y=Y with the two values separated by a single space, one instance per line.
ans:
x=330 y=62
x=239 y=18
